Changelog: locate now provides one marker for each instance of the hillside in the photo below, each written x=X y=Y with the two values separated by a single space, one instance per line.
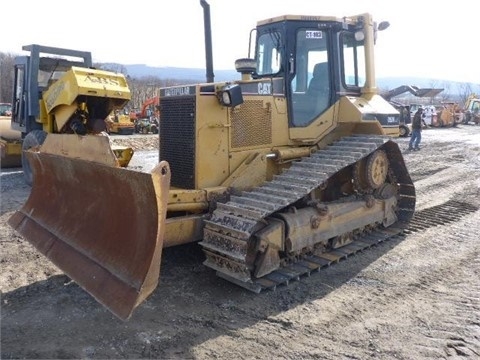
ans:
x=194 y=74
x=199 y=75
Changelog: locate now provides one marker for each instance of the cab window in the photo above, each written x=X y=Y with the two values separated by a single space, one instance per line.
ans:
x=353 y=53
x=269 y=57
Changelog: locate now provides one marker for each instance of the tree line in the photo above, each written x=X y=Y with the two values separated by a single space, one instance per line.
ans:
x=141 y=89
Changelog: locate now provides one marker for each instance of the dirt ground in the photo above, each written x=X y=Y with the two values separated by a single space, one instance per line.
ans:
x=413 y=297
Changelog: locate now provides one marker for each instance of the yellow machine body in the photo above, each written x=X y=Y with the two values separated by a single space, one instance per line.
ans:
x=78 y=89
x=57 y=91
x=120 y=124
x=275 y=178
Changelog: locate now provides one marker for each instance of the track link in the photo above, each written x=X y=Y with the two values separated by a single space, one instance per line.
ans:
x=228 y=232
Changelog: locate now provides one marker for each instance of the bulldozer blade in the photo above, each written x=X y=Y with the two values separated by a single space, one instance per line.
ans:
x=103 y=226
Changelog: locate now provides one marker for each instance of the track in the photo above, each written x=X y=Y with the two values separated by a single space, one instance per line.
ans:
x=228 y=233
x=446 y=213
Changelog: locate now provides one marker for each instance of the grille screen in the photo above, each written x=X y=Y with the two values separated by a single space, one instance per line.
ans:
x=251 y=124
x=177 y=138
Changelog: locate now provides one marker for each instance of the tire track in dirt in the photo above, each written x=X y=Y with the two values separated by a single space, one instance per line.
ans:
x=458 y=305
x=440 y=314
x=406 y=299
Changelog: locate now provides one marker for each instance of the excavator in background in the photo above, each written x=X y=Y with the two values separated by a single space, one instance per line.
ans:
x=275 y=175
x=57 y=91
x=149 y=107
x=414 y=90
x=147 y=119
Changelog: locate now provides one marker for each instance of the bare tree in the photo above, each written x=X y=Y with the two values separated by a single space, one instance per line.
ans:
x=113 y=67
x=464 y=91
x=445 y=95
x=147 y=87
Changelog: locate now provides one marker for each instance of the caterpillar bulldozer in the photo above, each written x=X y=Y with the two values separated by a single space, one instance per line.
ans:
x=57 y=91
x=274 y=175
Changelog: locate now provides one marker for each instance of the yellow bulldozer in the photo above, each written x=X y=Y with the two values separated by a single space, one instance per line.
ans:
x=275 y=175
x=57 y=91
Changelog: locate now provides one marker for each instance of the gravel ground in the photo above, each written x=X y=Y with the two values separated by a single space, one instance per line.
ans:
x=413 y=297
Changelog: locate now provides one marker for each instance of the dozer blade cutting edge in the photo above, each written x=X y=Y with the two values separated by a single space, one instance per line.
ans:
x=103 y=226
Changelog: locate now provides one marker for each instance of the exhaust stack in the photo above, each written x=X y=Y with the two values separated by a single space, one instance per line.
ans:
x=208 y=40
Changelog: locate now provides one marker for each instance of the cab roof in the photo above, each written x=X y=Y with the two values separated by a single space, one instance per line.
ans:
x=282 y=18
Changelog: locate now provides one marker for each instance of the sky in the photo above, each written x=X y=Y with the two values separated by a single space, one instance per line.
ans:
x=426 y=39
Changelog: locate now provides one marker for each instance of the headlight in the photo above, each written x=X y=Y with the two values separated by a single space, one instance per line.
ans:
x=231 y=95
x=359 y=35
x=226 y=98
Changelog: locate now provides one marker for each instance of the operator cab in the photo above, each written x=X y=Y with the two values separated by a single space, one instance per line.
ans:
x=317 y=58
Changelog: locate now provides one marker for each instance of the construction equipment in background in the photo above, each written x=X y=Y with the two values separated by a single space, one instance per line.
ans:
x=430 y=116
x=404 y=118
x=279 y=174
x=148 y=118
x=146 y=125
x=448 y=114
x=133 y=115
x=149 y=108
x=118 y=122
x=10 y=140
x=56 y=91
x=414 y=90
x=10 y=145
x=403 y=107
x=5 y=109
x=471 y=112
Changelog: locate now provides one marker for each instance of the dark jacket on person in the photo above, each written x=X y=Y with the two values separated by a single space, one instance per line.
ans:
x=417 y=120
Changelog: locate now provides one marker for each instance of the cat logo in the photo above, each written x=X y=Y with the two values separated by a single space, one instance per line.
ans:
x=264 y=88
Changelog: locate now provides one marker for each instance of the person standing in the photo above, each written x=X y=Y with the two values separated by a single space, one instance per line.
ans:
x=416 y=130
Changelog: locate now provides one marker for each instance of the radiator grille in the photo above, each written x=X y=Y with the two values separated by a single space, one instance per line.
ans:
x=177 y=138
x=251 y=124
